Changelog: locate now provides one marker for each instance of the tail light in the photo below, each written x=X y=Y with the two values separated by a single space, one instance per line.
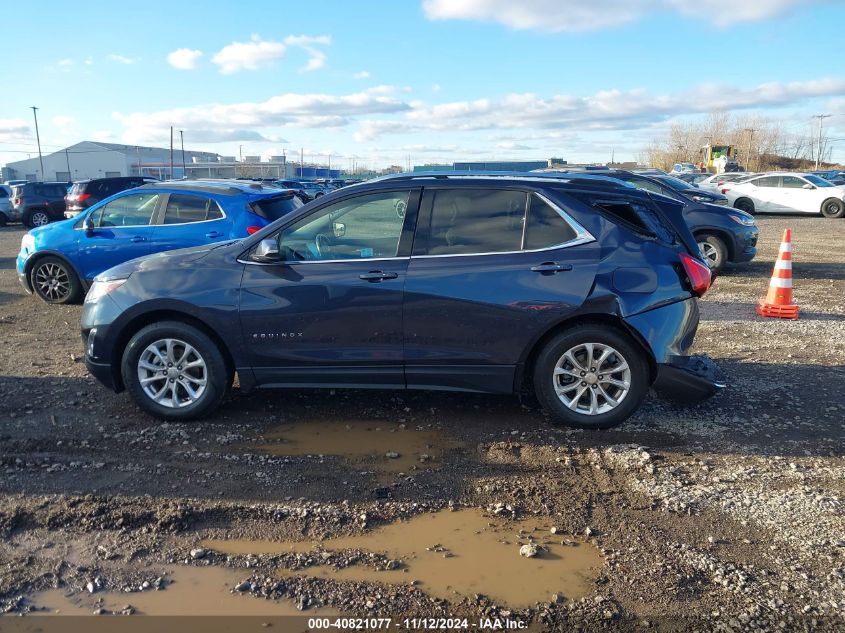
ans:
x=17 y=201
x=252 y=229
x=83 y=196
x=698 y=274
x=724 y=190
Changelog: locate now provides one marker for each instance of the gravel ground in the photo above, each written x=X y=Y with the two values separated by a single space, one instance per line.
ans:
x=723 y=516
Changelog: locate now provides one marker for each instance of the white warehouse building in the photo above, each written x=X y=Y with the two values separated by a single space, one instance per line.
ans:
x=92 y=159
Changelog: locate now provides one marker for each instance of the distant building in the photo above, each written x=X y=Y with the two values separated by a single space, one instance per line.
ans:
x=92 y=159
x=503 y=165
x=434 y=167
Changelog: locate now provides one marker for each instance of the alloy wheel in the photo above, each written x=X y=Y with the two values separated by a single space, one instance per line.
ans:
x=592 y=378
x=710 y=253
x=52 y=281
x=39 y=218
x=172 y=373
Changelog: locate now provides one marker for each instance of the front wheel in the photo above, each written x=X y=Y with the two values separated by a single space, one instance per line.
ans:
x=54 y=281
x=833 y=208
x=174 y=371
x=591 y=376
x=744 y=204
x=714 y=251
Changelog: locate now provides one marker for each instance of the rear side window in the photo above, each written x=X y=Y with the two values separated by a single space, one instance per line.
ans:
x=182 y=209
x=468 y=221
x=768 y=181
x=51 y=191
x=3 y=193
x=276 y=207
x=633 y=214
x=545 y=226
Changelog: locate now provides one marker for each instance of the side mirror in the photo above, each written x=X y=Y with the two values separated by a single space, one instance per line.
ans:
x=88 y=224
x=339 y=229
x=808 y=186
x=267 y=250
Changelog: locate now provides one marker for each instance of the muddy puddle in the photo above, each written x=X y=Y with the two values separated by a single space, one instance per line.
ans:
x=382 y=447
x=458 y=554
x=192 y=591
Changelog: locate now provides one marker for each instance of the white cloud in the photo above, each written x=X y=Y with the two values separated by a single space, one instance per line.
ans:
x=242 y=121
x=364 y=74
x=184 y=58
x=251 y=55
x=12 y=130
x=587 y=15
x=122 y=59
x=89 y=61
x=65 y=65
x=63 y=121
x=309 y=43
x=435 y=88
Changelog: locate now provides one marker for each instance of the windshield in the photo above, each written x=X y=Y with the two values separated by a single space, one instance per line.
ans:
x=818 y=182
x=675 y=183
x=276 y=207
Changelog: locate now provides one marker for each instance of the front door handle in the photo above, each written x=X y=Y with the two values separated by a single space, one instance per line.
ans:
x=138 y=238
x=214 y=234
x=551 y=267
x=377 y=275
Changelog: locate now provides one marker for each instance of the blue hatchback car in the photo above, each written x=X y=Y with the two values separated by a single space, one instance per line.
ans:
x=58 y=261
x=584 y=288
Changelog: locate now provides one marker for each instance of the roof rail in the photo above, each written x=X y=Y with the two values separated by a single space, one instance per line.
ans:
x=576 y=177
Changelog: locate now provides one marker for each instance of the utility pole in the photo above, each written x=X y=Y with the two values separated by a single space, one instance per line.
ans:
x=67 y=160
x=750 y=131
x=820 y=117
x=301 y=162
x=138 y=155
x=171 y=152
x=38 y=140
x=182 y=139
x=241 y=150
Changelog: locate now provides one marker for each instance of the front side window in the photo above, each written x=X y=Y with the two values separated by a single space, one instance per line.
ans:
x=364 y=227
x=819 y=182
x=793 y=182
x=182 y=209
x=546 y=227
x=132 y=210
x=473 y=221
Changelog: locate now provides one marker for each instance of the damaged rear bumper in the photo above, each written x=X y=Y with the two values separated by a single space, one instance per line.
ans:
x=689 y=378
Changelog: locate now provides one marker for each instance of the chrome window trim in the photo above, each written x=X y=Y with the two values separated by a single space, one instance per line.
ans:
x=219 y=206
x=321 y=261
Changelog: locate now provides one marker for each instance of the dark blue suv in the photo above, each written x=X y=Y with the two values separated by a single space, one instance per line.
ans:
x=584 y=288
x=58 y=261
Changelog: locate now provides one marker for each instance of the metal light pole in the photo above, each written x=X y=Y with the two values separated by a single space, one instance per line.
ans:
x=182 y=140
x=38 y=140
x=171 y=152
x=67 y=160
x=820 y=117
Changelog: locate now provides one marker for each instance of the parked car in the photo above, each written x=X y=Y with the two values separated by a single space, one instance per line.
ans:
x=57 y=262
x=691 y=191
x=788 y=192
x=833 y=176
x=723 y=235
x=86 y=193
x=691 y=178
x=313 y=189
x=585 y=290
x=715 y=182
x=39 y=203
x=684 y=168
x=6 y=206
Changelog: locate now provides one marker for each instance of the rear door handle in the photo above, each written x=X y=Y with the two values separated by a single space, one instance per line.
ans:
x=138 y=238
x=377 y=275
x=214 y=234
x=551 y=267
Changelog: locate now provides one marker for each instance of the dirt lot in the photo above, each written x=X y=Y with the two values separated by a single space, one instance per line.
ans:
x=726 y=516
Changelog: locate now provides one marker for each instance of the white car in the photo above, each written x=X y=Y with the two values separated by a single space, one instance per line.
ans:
x=785 y=192
x=684 y=168
x=714 y=182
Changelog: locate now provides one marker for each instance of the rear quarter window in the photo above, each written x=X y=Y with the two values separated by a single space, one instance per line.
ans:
x=275 y=207
x=633 y=214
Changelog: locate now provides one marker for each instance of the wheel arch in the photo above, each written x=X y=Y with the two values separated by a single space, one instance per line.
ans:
x=828 y=199
x=525 y=368
x=39 y=255
x=744 y=199
x=140 y=321
x=722 y=234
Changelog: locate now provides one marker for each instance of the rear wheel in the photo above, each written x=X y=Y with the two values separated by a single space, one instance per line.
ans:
x=3 y=219
x=591 y=376
x=37 y=217
x=833 y=208
x=713 y=250
x=744 y=204
x=174 y=371
x=54 y=281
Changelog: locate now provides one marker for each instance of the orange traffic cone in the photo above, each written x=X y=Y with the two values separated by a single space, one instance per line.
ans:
x=778 y=301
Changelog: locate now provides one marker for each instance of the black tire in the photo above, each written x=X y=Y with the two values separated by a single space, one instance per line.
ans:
x=3 y=219
x=545 y=379
x=744 y=204
x=217 y=374
x=55 y=281
x=36 y=217
x=833 y=208
x=714 y=250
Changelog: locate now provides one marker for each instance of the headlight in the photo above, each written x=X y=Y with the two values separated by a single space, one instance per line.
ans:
x=722 y=202
x=27 y=243
x=102 y=288
x=743 y=219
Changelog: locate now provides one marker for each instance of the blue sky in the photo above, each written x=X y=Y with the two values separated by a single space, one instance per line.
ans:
x=438 y=80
